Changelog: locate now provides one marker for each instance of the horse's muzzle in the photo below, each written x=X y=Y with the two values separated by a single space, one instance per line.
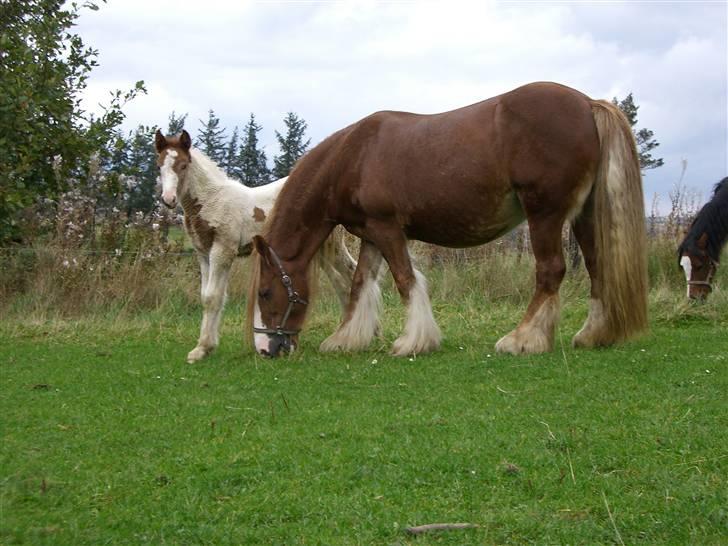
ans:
x=277 y=344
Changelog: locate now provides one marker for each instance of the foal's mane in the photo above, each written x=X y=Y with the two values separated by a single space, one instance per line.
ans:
x=712 y=219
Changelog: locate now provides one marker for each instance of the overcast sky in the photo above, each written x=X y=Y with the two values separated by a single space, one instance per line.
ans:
x=334 y=62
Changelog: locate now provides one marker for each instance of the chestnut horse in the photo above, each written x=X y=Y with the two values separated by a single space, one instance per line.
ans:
x=543 y=152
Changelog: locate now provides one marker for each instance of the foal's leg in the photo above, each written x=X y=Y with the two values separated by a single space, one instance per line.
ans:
x=421 y=333
x=214 y=291
x=339 y=268
x=361 y=315
x=535 y=333
x=595 y=330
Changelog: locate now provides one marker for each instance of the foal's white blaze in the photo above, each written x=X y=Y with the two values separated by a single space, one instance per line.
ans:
x=169 y=179
x=687 y=268
x=262 y=341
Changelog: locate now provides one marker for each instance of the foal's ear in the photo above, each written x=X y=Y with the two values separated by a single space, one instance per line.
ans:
x=185 y=140
x=160 y=143
x=261 y=247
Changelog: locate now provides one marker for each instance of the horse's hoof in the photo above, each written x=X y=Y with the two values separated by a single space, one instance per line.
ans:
x=197 y=354
x=519 y=342
x=405 y=347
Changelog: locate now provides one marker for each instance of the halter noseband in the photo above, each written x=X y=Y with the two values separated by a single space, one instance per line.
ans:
x=711 y=272
x=293 y=298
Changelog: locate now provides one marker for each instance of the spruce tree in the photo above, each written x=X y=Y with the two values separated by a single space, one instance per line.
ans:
x=211 y=139
x=292 y=145
x=252 y=161
x=176 y=124
x=230 y=164
x=644 y=137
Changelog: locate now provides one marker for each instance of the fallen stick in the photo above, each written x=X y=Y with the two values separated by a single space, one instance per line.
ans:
x=418 y=530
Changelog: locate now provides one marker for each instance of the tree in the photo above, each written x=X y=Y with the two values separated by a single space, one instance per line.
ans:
x=211 y=138
x=644 y=137
x=252 y=161
x=231 y=155
x=291 y=144
x=46 y=139
x=176 y=124
x=137 y=171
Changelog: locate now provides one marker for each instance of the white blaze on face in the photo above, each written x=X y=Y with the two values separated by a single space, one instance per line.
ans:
x=262 y=341
x=687 y=269
x=169 y=179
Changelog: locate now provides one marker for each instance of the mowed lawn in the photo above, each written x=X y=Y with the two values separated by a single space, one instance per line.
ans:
x=108 y=437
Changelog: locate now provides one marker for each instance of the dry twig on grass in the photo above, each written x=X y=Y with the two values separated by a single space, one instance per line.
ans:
x=418 y=530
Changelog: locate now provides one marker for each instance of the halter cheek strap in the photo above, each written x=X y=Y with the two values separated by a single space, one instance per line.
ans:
x=293 y=298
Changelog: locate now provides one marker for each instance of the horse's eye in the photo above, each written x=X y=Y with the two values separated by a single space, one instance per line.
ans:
x=264 y=294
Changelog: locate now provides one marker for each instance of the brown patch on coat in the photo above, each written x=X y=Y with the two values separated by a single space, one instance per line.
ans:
x=199 y=230
x=258 y=214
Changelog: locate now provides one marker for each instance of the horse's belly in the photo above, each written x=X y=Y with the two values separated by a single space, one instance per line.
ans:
x=464 y=228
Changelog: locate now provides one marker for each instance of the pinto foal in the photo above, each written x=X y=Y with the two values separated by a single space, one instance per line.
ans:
x=221 y=216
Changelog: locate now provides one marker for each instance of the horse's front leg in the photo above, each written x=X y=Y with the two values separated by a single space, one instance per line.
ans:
x=361 y=315
x=213 y=292
x=421 y=333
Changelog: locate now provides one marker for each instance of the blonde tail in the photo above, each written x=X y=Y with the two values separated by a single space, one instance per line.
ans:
x=619 y=221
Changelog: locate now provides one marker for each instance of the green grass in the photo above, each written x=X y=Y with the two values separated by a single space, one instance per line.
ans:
x=108 y=437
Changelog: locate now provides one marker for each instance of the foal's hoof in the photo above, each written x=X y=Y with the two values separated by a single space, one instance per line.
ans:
x=519 y=341
x=197 y=354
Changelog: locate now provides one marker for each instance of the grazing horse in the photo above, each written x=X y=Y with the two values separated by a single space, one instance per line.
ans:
x=221 y=216
x=699 y=253
x=543 y=152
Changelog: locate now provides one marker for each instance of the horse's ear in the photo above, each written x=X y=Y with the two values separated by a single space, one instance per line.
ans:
x=261 y=247
x=703 y=241
x=185 y=140
x=160 y=143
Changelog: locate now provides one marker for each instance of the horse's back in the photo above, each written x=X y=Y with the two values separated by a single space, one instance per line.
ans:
x=461 y=170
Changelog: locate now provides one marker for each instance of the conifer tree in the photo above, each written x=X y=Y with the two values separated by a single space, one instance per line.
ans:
x=252 y=161
x=176 y=124
x=211 y=139
x=292 y=145
x=230 y=164
x=644 y=137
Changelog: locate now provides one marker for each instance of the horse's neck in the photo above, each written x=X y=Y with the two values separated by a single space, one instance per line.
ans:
x=299 y=227
x=204 y=179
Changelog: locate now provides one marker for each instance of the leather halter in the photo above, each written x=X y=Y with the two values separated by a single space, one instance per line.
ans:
x=293 y=298
x=711 y=272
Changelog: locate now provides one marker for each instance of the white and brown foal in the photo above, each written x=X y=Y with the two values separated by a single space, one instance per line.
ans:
x=221 y=216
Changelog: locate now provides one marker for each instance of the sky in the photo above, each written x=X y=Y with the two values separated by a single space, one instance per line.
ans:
x=334 y=62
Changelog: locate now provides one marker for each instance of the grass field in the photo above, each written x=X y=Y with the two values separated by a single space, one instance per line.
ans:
x=110 y=438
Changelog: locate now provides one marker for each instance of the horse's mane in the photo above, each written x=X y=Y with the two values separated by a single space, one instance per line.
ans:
x=210 y=170
x=712 y=219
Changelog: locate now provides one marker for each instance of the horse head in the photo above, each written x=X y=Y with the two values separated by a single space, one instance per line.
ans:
x=173 y=159
x=698 y=267
x=278 y=300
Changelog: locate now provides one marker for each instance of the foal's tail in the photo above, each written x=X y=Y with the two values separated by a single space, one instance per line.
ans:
x=619 y=223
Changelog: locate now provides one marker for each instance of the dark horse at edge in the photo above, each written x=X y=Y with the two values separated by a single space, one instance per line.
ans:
x=699 y=253
x=543 y=152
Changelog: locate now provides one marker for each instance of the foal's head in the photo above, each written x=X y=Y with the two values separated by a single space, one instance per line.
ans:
x=173 y=158
x=698 y=267
x=277 y=301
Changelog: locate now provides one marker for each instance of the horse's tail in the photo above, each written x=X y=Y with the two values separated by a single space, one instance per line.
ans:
x=619 y=223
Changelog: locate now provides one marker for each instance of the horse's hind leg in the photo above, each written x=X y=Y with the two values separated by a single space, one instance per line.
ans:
x=213 y=293
x=361 y=314
x=595 y=330
x=535 y=333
